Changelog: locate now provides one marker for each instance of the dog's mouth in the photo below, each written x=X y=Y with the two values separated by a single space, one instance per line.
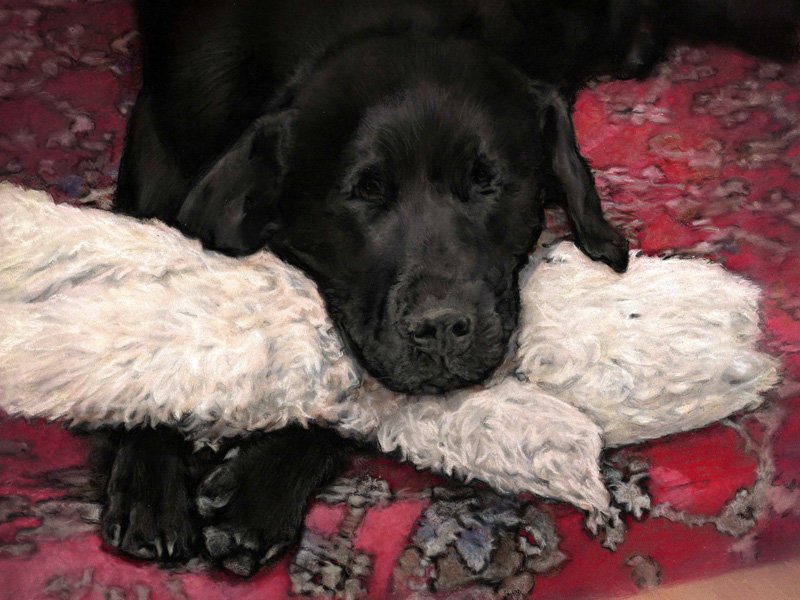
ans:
x=402 y=366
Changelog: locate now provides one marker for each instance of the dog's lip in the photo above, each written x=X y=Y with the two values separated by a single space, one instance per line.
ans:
x=435 y=387
x=446 y=378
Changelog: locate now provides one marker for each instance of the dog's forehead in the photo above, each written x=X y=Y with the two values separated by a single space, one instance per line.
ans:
x=421 y=123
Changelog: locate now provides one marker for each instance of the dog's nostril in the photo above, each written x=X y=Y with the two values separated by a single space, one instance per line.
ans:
x=461 y=327
x=425 y=331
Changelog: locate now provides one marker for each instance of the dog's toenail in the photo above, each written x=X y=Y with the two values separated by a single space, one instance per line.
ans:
x=115 y=535
x=144 y=552
x=272 y=552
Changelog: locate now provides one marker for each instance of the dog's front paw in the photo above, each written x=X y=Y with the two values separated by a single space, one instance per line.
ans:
x=148 y=511
x=252 y=516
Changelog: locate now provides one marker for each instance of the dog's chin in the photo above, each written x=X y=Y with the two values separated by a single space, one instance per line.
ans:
x=413 y=372
x=418 y=384
x=436 y=385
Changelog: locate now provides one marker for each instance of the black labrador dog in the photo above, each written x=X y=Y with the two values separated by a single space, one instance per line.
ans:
x=401 y=154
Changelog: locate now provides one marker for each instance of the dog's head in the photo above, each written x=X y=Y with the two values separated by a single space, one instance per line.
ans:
x=411 y=190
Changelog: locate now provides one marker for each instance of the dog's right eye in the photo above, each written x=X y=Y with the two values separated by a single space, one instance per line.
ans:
x=371 y=187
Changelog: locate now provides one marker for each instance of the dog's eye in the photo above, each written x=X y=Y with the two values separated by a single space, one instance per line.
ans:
x=482 y=175
x=370 y=187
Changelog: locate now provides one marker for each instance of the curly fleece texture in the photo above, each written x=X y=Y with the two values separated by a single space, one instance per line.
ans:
x=110 y=320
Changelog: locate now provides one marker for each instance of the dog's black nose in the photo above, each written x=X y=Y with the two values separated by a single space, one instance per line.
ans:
x=444 y=331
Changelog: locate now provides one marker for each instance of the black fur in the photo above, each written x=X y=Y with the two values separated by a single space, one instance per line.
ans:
x=401 y=153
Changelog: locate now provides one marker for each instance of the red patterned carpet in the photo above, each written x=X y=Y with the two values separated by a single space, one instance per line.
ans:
x=701 y=159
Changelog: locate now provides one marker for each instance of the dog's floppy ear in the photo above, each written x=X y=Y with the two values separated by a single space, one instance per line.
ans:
x=568 y=182
x=233 y=207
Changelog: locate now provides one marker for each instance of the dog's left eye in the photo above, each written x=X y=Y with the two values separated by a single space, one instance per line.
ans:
x=483 y=178
x=481 y=174
x=370 y=187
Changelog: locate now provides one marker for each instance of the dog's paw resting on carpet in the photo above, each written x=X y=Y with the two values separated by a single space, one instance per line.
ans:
x=253 y=508
x=112 y=321
x=149 y=510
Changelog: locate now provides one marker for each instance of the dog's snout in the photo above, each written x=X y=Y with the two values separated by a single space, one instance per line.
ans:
x=443 y=330
x=450 y=331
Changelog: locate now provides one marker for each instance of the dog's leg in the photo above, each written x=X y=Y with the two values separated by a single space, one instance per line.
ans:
x=148 y=511
x=150 y=183
x=254 y=502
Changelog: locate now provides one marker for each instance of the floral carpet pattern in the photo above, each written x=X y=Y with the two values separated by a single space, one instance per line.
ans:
x=701 y=159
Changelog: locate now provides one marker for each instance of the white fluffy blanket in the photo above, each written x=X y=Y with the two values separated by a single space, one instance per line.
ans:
x=106 y=319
